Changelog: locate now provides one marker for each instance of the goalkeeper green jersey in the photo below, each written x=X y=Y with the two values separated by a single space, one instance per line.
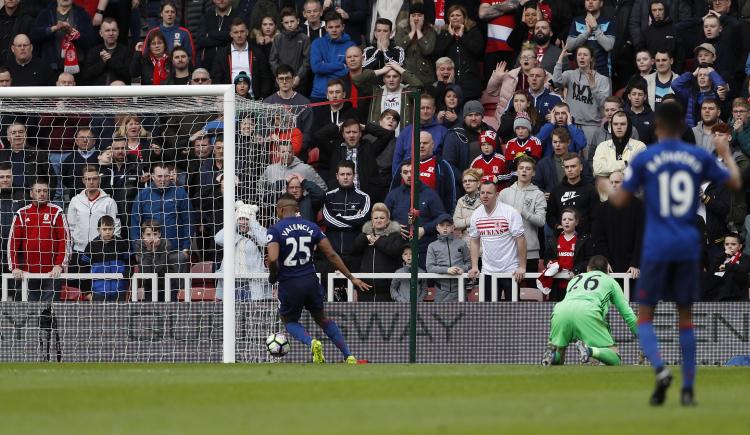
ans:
x=599 y=290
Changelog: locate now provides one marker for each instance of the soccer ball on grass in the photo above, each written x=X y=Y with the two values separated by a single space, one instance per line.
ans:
x=277 y=344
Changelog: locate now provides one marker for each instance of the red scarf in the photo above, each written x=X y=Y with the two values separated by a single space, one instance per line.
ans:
x=160 y=69
x=734 y=259
x=68 y=52
x=354 y=93
x=440 y=10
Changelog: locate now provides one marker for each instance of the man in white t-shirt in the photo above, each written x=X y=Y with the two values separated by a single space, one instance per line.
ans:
x=498 y=229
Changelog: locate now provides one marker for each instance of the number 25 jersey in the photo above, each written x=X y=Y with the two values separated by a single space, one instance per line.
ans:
x=670 y=174
x=297 y=238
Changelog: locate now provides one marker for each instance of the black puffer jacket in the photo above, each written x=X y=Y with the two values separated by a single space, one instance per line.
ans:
x=466 y=52
x=384 y=256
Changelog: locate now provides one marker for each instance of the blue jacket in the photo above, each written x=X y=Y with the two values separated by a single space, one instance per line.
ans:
x=446 y=184
x=345 y=210
x=456 y=147
x=44 y=40
x=403 y=142
x=171 y=208
x=327 y=61
x=544 y=102
x=109 y=256
x=692 y=97
x=577 y=138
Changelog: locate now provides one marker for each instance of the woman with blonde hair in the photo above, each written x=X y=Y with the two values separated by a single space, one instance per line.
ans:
x=466 y=204
x=138 y=139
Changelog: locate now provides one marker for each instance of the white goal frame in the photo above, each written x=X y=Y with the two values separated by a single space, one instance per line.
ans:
x=228 y=94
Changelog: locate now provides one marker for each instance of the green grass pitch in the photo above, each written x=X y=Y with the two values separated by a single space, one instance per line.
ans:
x=367 y=399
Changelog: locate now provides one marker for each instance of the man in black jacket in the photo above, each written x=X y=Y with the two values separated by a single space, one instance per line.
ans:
x=26 y=69
x=240 y=56
x=574 y=193
x=26 y=164
x=213 y=33
x=121 y=179
x=13 y=21
x=109 y=61
x=11 y=200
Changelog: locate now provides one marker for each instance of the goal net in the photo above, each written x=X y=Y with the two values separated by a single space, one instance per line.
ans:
x=153 y=204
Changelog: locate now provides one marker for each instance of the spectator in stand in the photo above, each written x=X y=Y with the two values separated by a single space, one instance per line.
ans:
x=461 y=145
x=354 y=13
x=360 y=83
x=389 y=121
x=249 y=246
x=450 y=106
x=26 y=69
x=150 y=62
x=85 y=210
x=586 y=88
x=530 y=202
x=547 y=53
x=262 y=37
x=571 y=253
x=309 y=195
x=447 y=255
x=445 y=75
x=328 y=55
x=5 y=79
x=401 y=288
x=722 y=31
x=11 y=200
x=502 y=84
x=461 y=41
x=239 y=56
x=63 y=33
x=379 y=246
x=85 y=154
x=345 y=210
x=274 y=178
x=466 y=204
x=561 y=117
x=383 y=49
x=175 y=35
x=653 y=23
x=436 y=173
x=291 y=47
x=154 y=255
x=740 y=123
x=497 y=232
x=214 y=31
x=137 y=139
x=618 y=232
x=525 y=20
x=501 y=20
x=726 y=277
x=13 y=21
x=520 y=102
x=430 y=209
x=107 y=62
x=260 y=10
x=550 y=169
x=614 y=155
x=27 y=164
x=167 y=204
x=574 y=193
x=524 y=144
x=640 y=113
x=313 y=27
x=39 y=243
x=121 y=177
x=286 y=95
x=418 y=39
x=392 y=95
x=107 y=253
x=427 y=122
x=694 y=87
x=490 y=162
x=596 y=32
x=659 y=82
x=330 y=114
x=644 y=65
x=612 y=105
x=544 y=99
x=710 y=116
x=179 y=69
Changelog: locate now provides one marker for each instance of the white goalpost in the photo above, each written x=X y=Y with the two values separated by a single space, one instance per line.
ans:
x=170 y=118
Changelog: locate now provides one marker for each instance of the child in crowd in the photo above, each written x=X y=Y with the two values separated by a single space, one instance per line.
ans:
x=728 y=273
x=107 y=254
x=401 y=287
x=154 y=256
x=490 y=162
x=447 y=255
x=524 y=144
x=572 y=254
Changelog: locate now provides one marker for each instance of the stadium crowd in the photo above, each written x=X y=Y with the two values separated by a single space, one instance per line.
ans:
x=530 y=111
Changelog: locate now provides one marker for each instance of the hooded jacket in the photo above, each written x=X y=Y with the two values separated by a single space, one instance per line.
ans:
x=274 y=177
x=404 y=141
x=457 y=150
x=692 y=97
x=581 y=196
x=84 y=215
x=465 y=52
x=605 y=159
x=530 y=202
x=657 y=36
x=345 y=210
x=327 y=58
x=442 y=254
x=641 y=21
x=618 y=233
x=459 y=108
x=248 y=258
x=293 y=49
x=169 y=206
x=384 y=256
x=401 y=287
x=418 y=52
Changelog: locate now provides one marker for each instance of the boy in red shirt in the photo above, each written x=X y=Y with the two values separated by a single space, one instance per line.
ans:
x=490 y=162
x=524 y=144
x=565 y=261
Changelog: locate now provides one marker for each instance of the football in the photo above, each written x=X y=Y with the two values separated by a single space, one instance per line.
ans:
x=277 y=344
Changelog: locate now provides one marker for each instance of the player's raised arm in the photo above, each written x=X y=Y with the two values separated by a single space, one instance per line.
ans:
x=721 y=140
x=325 y=246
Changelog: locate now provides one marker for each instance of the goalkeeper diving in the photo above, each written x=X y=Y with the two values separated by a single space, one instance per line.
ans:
x=582 y=317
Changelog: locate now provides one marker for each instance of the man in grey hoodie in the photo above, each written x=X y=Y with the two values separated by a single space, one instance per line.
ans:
x=274 y=177
x=529 y=200
x=448 y=255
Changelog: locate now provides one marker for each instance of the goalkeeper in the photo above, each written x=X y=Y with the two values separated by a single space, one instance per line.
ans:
x=582 y=316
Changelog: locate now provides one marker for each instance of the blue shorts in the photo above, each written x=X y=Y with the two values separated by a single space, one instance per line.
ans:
x=298 y=293
x=669 y=281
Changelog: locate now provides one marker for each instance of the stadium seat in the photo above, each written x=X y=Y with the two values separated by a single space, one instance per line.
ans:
x=530 y=294
x=71 y=294
x=198 y=294
x=473 y=295
x=430 y=296
x=203 y=267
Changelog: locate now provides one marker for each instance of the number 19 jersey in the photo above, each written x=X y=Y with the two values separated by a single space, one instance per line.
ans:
x=297 y=238
x=670 y=174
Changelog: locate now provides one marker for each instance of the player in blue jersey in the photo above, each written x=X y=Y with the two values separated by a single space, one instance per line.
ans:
x=291 y=245
x=670 y=174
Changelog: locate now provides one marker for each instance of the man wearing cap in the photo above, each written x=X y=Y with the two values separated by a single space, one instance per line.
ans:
x=461 y=145
x=448 y=255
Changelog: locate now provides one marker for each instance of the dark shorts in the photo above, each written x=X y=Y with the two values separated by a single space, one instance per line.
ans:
x=675 y=281
x=298 y=293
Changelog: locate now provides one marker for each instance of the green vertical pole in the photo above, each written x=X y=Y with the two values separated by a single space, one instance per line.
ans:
x=414 y=288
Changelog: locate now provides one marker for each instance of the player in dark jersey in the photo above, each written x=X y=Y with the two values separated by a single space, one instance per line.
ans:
x=670 y=174
x=291 y=246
